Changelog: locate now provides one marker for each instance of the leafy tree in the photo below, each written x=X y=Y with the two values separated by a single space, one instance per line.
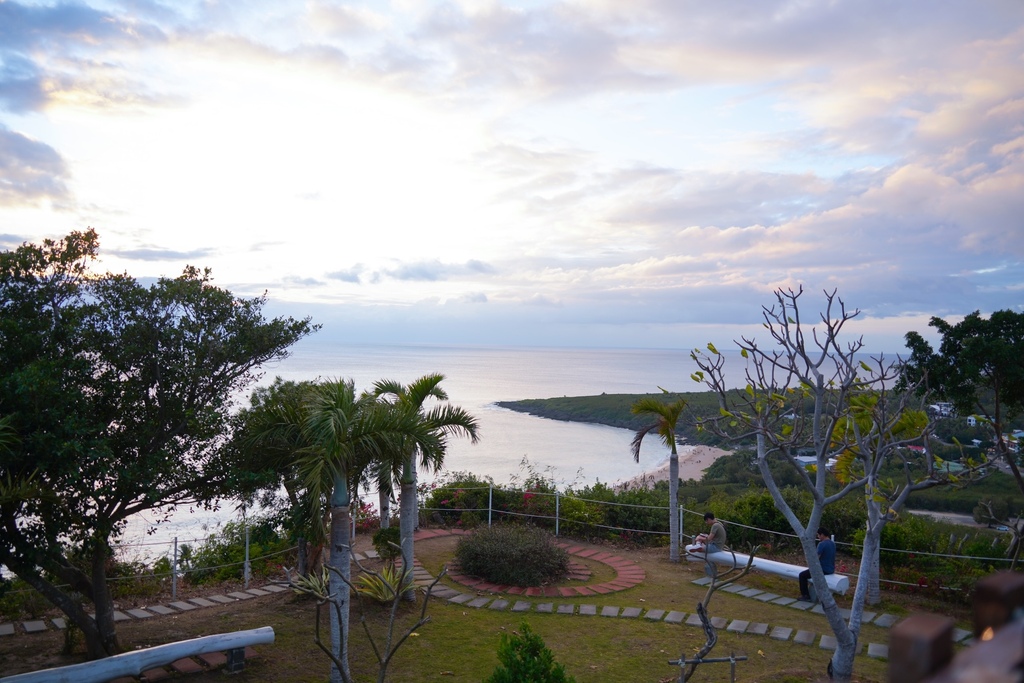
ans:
x=666 y=418
x=979 y=369
x=120 y=396
x=808 y=391
x=400 y=465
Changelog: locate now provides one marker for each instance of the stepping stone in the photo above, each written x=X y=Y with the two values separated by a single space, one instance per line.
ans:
x=866 y=617
x=372 y=554
x=155 y=674
x=499 y=605
x=844 y=611
x=139 y=613
x=878 y=651
x=61 y=624
x=959 y=634
x=182 y=606
x=34 y=626
x=631 y=612
x=478 y=602
x=719 y=622
x=783 y=601
x=703 y=581
x=804 y=637
x=751 y=592
x=828 y=643
x=240 y=595
x=568 y=609
x=609 y=611
x=735 y=588
x=675 y=617
x=818 y=609
x=443 y=592
x=186 y=665
x=781 y=633
x=274 y=588
x=800 y=604
x=758 y=629
x=121 y=616
x=222 y=599
x=213 y=660
x=738 y=626
x=693 y=620
x=654 y=614
x=161 y=610
x=546 y=607
x=766 y=597
x=258 y=592
x=886 y=620
x=588 y=610
x=521 y=606
x=202 y=602
x=460 y=599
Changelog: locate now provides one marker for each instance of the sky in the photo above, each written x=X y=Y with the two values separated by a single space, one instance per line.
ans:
x=591 y=173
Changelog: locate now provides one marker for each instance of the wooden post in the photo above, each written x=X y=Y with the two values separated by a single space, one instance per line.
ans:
x=919 y=646
x=996 y=597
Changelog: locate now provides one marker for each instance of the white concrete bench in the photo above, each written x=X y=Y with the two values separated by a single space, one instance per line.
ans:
x=134 y=663
x=837 y=583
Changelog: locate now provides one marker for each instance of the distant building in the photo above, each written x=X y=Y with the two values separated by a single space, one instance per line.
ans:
x=941 y=409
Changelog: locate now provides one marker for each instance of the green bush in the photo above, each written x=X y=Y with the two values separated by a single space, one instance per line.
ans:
x=19 y=600
x=222 y=557
x=525 y=659
x=384 y=542
x=512 y=554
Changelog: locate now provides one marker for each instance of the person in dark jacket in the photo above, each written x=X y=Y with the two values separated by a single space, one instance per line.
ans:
x=827 y=558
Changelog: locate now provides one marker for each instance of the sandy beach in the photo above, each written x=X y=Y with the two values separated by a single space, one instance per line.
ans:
x=693 y=460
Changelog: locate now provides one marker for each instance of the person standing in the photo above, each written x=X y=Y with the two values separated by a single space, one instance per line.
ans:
x=826 y=557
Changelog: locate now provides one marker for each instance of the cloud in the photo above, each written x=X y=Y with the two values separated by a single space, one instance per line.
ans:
x=160 y=254
x=435 y=270
x=60 y=52
x=350 y=275
x=30 y=171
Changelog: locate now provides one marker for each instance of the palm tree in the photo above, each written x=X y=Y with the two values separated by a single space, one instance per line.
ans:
x=400 y=465
x=666 y=416
x=345 y=432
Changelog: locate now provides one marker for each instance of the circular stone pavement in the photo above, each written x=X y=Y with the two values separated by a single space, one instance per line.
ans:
x=627 y=573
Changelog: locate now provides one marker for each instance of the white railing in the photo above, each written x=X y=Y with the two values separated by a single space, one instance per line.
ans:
x=134 y=663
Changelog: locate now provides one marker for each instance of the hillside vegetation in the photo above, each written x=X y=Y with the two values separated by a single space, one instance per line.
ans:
x=614 y=410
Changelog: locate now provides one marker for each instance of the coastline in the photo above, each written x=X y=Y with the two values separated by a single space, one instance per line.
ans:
x=693 y=460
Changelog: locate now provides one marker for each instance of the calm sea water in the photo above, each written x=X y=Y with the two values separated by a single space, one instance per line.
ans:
x=475 y=379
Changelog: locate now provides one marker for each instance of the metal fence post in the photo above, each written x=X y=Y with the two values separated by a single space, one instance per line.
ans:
x=490 y=503
x=247 y=568
x=174 y=571
x=556 y=511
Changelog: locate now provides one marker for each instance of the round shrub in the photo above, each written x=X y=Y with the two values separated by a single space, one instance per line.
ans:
x=513 y=555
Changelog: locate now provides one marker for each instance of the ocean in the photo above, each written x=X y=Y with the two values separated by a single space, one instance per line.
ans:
x=570 y=453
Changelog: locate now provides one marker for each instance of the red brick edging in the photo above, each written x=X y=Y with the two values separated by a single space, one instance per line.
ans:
x=627 y=574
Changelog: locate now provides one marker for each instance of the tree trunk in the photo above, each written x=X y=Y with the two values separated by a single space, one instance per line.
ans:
x=303 y=556
x=673 y=505
x=340 y=560
x=385 y=506
x=71 y=608
x=407 y=519
x=104 y=603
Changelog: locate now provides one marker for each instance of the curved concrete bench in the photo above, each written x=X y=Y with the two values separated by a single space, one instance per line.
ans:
x=837 y=583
